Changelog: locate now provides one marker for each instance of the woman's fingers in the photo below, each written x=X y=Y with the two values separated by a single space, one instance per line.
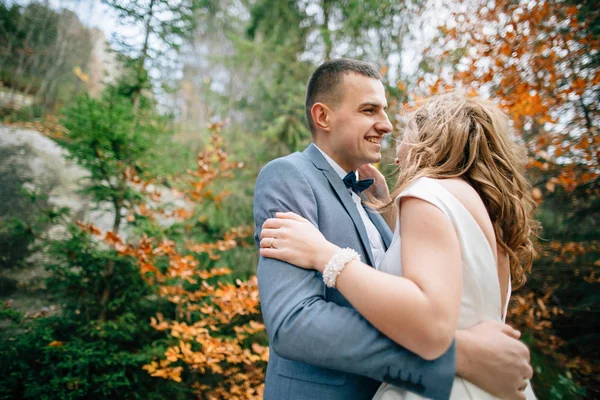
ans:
x=510 y=331
x=368 y=171
x=270 y=233
x=272 y=242
x=290 y=215
x=283 y=219
x=273 y=223
x=270 y=252
x=365 y=168
x=267 y=242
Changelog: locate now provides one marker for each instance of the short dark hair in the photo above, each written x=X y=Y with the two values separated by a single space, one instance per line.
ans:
x=324 y=83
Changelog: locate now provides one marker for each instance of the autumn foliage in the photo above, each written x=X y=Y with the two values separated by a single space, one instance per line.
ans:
x=538 y=60
x=218 y=346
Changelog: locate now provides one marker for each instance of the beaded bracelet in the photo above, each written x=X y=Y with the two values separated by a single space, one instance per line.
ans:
x=336 y=264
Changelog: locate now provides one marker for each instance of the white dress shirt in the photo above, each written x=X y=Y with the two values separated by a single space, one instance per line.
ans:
x=375 y=240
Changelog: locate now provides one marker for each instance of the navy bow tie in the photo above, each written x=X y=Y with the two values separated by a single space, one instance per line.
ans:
x=355 y=185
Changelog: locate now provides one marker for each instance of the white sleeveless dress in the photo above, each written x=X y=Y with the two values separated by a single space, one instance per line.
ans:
x=480 y=299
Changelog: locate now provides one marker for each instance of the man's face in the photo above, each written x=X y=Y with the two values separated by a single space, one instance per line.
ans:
x=358 y=122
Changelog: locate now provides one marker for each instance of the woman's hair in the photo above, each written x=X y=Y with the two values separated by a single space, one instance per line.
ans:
x=452 y=136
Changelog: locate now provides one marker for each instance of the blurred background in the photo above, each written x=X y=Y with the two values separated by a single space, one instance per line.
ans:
x=131 y=135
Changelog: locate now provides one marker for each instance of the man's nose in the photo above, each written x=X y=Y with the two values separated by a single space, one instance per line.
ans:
x=384 y=126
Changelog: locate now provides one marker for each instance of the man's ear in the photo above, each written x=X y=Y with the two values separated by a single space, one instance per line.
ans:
x=321 y=115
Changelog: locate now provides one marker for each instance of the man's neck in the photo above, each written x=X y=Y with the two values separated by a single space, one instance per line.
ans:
x=327 y=150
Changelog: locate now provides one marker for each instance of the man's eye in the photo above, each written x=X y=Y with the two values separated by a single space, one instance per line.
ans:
x=369 y=110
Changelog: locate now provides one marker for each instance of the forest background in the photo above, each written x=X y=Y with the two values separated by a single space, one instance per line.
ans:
x=148 y=291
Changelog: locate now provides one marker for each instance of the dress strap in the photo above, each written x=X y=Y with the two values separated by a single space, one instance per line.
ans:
x=428 y=191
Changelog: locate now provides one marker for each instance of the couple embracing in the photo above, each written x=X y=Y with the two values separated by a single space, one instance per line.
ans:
x=372 y=295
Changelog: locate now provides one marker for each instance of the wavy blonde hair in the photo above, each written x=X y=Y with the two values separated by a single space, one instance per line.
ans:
x=453 y=136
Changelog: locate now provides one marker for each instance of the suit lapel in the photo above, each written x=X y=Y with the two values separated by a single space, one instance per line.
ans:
x=343 y=195
x=381 y=225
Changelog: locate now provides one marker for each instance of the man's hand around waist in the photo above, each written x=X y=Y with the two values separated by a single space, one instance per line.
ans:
x=491 y=356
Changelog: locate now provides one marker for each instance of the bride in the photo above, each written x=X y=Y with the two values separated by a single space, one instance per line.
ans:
x=462 y=218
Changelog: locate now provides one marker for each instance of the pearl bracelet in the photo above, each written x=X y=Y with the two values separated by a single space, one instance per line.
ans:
x=336 y=264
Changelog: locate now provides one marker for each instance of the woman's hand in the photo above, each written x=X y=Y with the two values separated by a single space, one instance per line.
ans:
x=293 y=239
x=379 y=189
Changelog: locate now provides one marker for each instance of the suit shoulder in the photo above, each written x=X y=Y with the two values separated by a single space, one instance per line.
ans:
x=290 y=161
x=292 y=164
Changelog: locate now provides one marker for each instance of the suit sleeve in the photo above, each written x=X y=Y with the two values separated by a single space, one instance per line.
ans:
x=302 y=326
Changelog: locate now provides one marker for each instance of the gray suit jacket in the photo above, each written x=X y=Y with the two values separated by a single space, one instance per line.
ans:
x=321 y=348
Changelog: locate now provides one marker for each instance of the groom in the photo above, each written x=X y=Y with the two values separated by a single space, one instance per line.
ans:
x=321 y=348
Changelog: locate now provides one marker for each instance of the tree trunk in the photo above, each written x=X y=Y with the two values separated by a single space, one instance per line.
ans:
x=20 y=65
x=140 y=69
x=325 y=29
x=574 y=73
x=50 y=75
x=110 y=266
x=23 y=59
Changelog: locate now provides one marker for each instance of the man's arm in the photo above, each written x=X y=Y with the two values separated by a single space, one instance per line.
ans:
x=491 y=356
x=302 y=326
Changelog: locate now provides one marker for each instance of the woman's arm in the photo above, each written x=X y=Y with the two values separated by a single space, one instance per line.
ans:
x=419 y=310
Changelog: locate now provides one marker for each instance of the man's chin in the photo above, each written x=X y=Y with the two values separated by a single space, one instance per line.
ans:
x=375 y=159
x=370 y=159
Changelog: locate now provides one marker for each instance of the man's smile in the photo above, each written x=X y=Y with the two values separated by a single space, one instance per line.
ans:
x=373 y=139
